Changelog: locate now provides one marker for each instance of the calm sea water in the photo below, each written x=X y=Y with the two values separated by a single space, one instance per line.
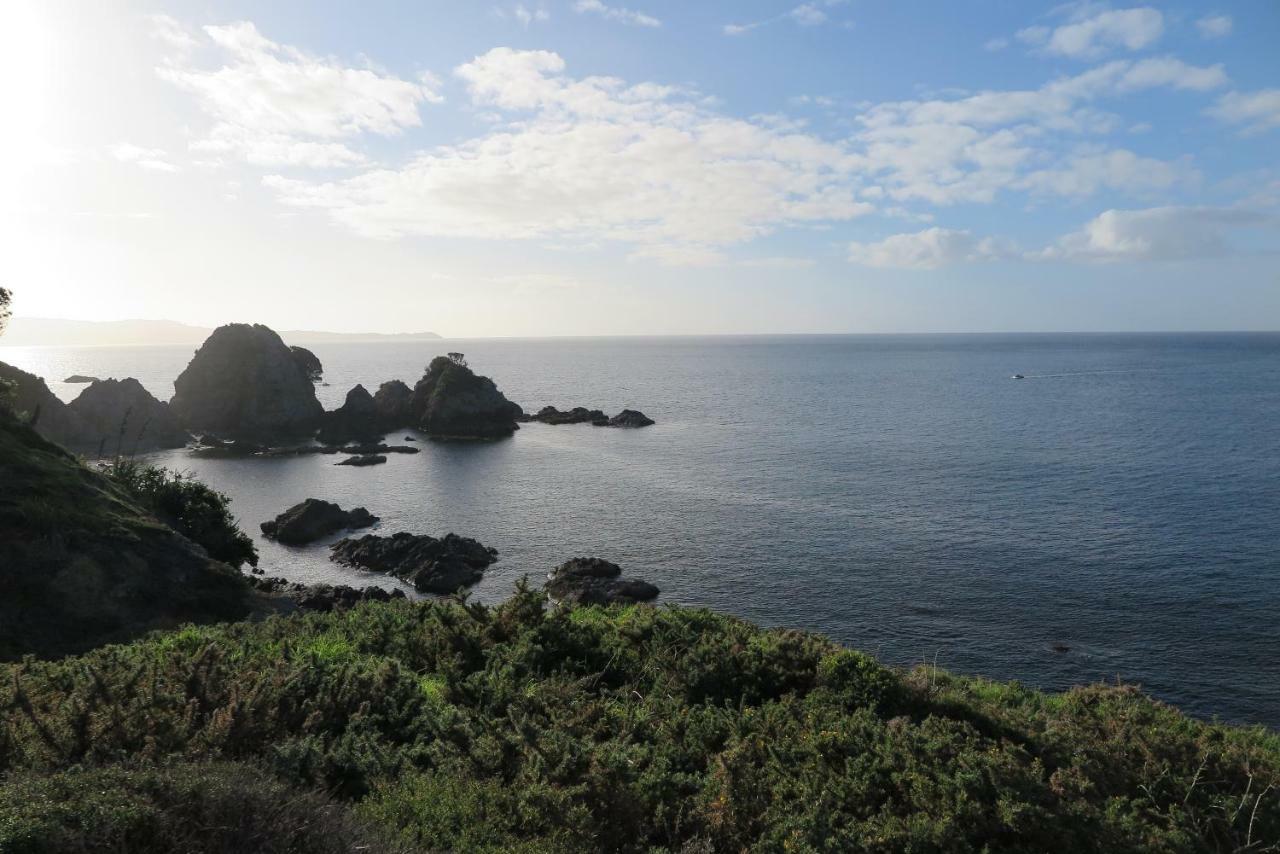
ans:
x=898 y=493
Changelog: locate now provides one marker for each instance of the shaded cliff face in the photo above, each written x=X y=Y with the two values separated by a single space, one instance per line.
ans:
x=452 y=402
x=32 y=399
x=82 y=564
x=245 y=383
x=123 y=416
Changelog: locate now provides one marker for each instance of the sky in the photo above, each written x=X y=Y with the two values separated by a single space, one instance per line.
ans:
x=591 y=167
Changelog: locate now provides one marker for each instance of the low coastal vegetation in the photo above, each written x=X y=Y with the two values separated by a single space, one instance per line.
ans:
x=450 y=725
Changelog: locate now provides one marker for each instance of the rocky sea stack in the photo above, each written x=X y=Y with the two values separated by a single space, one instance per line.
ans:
x=452 y=402
x=245 y=383
x=123 y=416
x=312 y=519
x=431 y=565
x=594 y=581
x=357 y=418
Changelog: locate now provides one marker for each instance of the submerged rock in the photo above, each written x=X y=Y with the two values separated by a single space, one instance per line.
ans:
x=363 y=460
x=452 y=402
x=431 y=565
x=245 y=383
x=125 y=418
x=312 y=519
x=595 y=581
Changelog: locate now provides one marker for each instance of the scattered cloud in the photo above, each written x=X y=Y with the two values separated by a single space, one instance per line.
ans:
x=272 y=103
x=147 y=158
x=597 y=159
x=777 y=262
x=1256 y=111
x=522 y=14
x=1116 y=169
x=1157 y=234
x=927 y=250
x=1215 y=26
x=168 y=30
x=812 y=14
x=1154 y=234
x=1092 y=33
x=616 y=13
x=995 y=44
x=967 y=149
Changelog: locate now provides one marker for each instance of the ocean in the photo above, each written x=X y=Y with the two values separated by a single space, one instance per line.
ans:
x=1114 y=515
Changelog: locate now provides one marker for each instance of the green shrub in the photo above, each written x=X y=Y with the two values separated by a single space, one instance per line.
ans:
x=457 y=726
x=208 y=808
x=191 y=508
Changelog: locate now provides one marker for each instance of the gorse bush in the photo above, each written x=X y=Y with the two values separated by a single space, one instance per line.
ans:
x=456 y=726
x=191 y=508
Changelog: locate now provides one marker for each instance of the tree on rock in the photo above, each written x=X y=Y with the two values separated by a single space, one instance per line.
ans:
x=6 y=299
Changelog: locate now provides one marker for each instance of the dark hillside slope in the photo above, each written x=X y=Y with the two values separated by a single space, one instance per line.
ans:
x=82 y=563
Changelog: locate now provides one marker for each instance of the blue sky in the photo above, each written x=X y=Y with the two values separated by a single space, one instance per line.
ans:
x=592 y=167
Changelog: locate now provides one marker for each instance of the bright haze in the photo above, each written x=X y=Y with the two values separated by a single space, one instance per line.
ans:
x=584 y=167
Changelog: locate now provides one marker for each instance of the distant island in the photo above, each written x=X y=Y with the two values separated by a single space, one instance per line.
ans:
x=45 y=331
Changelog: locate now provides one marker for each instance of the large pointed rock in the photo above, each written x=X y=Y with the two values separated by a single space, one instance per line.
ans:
x=452 y=402
x=245 y=383
x=356 y=419
x=40 y=408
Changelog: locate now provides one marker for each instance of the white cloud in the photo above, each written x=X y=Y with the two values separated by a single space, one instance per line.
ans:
x=1093 y=33
x=1154 y=234
x=156 y=159
x=926 y=250
x=968 y=149
x=1215 y=26
x=617 y=13
x=1257 y=111
x=811 y=14
x=275 y=104
x=995 y=44
x=168 y=30
x=596 y=159
x=522 y=14
x=1117 y=169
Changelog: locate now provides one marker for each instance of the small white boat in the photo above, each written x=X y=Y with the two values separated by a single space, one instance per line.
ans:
x=1017 y=377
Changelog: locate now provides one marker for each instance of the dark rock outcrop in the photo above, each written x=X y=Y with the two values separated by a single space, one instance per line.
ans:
x=391 y=402
x=312 y=519
x=452 y=402
x=577 y=415
x=123 y=417
x=80 y=378
x=40 y=408
x=322 y=597
x=357 y=418
x=594 y=417
x=363 y=460
x=245 y=383
x=309 y=363
x=630 y=418
x=96 y=420
x=431 y=565
x=594 y=581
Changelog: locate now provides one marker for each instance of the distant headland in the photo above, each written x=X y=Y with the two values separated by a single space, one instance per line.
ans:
x=36 y=331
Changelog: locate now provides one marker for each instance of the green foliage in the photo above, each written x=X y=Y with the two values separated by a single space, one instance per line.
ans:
x=210 y=808
x=458 y=726
x=188 y=506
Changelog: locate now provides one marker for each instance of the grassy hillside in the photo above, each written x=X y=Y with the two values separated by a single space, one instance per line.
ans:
x=450 y=726
x=84 y=562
